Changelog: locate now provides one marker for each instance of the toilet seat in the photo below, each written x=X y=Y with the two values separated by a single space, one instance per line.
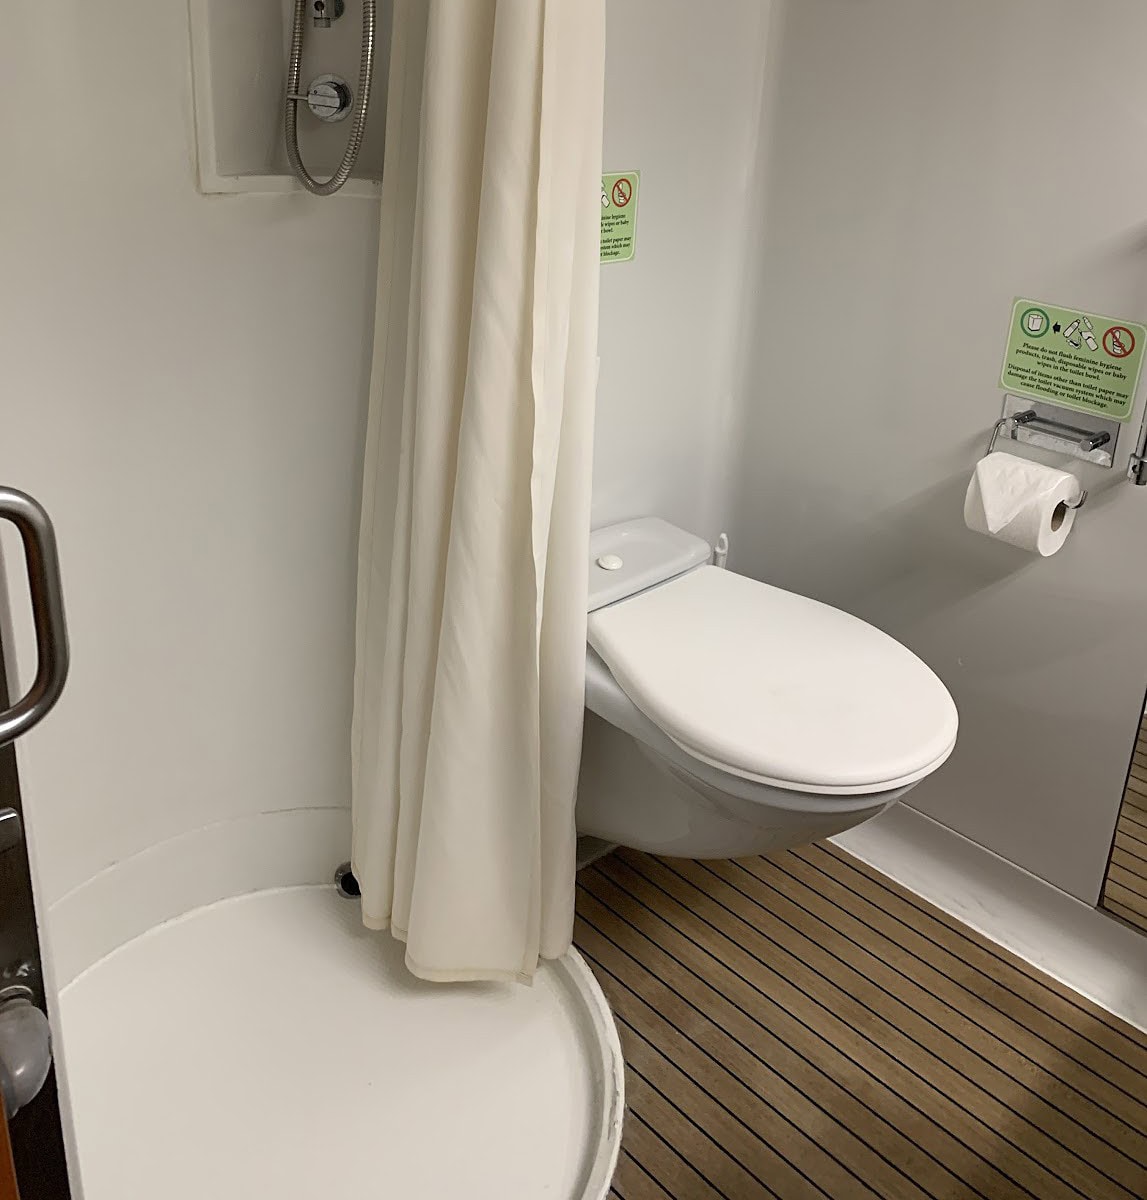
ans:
x=776 y=688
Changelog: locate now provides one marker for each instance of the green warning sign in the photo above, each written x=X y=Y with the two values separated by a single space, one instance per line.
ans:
x=619 y=215
x=1080 y=360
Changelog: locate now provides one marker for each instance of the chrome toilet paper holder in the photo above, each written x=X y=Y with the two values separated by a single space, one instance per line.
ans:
x=1093 y=441
x=1083 y=441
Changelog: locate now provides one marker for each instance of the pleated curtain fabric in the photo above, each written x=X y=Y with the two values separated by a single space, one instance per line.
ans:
x=469 y=683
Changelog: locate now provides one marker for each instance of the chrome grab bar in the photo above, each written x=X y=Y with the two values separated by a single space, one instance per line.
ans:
x=39 y=538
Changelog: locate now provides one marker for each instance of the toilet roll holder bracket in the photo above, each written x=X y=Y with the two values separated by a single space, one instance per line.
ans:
x=1080 y=502
x=1038 y=424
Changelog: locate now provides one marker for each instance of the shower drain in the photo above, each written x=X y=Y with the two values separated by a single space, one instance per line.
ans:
x=346 y=883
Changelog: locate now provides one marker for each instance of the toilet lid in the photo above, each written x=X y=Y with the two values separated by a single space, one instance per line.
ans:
x=776 y=687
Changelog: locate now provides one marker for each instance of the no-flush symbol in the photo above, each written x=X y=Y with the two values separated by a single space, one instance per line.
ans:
x=1119 y=341
x=622 y=192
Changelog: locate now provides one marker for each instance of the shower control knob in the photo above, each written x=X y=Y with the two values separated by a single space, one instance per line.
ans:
x=329 y=98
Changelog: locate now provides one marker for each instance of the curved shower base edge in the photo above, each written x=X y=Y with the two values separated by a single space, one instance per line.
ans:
x=249 y=853
x=269 y=1045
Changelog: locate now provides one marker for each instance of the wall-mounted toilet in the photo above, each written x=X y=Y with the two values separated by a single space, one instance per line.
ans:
x=726 y=717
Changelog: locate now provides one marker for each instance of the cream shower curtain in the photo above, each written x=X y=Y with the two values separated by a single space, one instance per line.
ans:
x=469 y=684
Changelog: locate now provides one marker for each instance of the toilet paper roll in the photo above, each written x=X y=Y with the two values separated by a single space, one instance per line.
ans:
x=1021 y=502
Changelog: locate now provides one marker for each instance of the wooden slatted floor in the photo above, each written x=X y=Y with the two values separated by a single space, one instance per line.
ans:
x=1125 y=888
x=803 y=1027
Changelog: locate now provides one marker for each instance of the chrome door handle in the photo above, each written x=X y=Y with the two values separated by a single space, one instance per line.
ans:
x=43 y=563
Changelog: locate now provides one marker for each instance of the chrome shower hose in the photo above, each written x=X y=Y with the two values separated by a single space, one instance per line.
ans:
x=361 y=103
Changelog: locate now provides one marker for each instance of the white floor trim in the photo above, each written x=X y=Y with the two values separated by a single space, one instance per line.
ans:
x=1080 y=946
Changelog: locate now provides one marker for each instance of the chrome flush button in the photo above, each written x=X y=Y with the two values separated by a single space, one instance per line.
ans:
x=610 y=562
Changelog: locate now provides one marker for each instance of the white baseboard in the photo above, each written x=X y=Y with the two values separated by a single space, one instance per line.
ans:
x=1094 y=954
x=273 y=849
x=1083 y=948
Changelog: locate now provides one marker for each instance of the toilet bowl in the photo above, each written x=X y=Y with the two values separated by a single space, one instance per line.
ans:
x=726 y=717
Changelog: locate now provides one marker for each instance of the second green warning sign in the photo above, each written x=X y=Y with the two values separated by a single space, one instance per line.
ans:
x=1081 y=360
x=619 y=215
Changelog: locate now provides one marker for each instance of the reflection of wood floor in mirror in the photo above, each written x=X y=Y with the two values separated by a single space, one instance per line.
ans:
x=1125 y=889
x=802 y=1027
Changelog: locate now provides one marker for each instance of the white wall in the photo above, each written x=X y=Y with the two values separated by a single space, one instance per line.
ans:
x=184 y=383
x=927 y=164
x=682 y=105
x=183 y=386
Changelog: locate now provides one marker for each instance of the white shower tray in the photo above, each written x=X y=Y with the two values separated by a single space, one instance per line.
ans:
x=268 y=1045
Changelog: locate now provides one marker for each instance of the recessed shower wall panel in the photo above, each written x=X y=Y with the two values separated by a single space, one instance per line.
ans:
x=239 y=67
